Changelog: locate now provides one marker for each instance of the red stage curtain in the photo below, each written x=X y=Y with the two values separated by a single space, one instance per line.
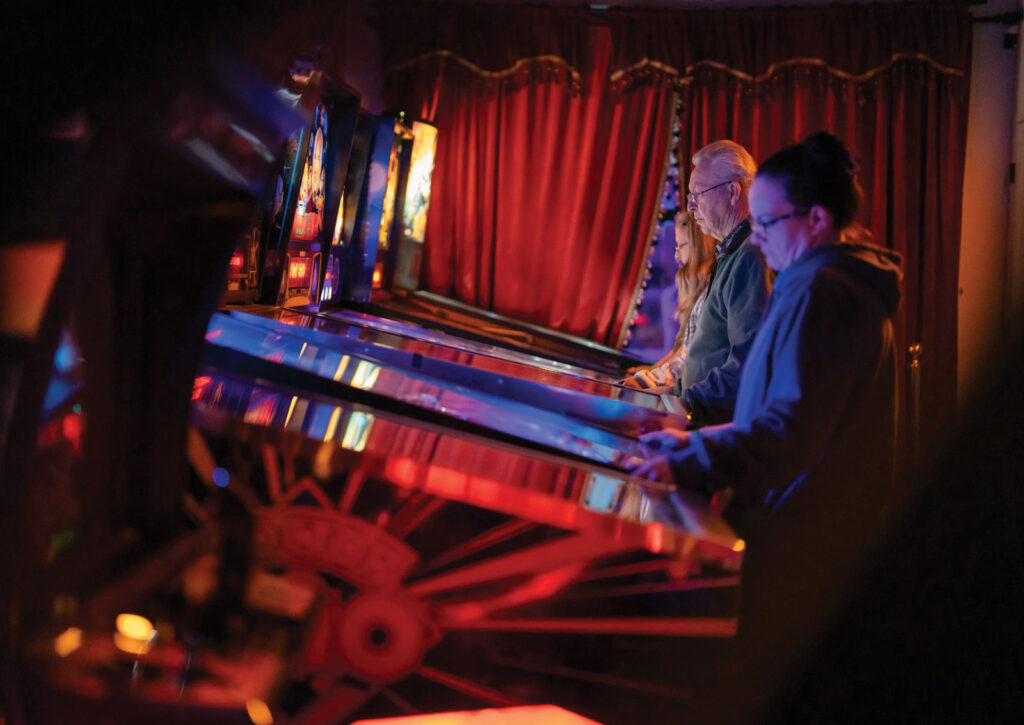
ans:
x=545 y=184
x=890 y=80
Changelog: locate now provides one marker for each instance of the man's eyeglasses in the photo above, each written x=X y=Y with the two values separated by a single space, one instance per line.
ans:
x=691 y=198
x=764 y=224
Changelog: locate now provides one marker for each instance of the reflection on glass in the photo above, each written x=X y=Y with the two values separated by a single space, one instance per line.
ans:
x=342 y=366
x=332 y=425
x=262 y=407
x=526 y=364
x=296 y=414
x=357 y=432
x=365 y=375
x=581 y=424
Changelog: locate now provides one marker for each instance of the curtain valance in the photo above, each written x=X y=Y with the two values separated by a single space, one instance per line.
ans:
x=845 y=40
x=494 y=45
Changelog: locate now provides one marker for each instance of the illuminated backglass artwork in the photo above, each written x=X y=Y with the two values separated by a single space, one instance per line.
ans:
x=309 y=211
x=421 y=168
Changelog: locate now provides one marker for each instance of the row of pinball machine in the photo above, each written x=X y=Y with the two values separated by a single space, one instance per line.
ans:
x=290 y=486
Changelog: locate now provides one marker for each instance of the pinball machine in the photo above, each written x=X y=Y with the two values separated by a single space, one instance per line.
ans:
x=482 y=355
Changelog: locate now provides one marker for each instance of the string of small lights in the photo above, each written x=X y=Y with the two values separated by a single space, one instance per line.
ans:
x=668 y=206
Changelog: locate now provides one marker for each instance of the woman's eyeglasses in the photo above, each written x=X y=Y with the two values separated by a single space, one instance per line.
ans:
x=764 y=224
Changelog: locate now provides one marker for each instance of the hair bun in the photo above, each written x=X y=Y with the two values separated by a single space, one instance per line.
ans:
x=818 y=171
x=828 y=151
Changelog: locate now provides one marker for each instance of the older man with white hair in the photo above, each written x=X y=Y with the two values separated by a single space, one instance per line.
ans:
x=739 y=287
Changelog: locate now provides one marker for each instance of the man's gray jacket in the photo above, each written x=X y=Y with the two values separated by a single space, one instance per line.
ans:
x=725 y=329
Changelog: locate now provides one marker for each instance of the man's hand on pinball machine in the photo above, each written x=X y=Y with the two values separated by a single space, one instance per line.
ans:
x=657 y=445
x=654 y=469
x=666 y=439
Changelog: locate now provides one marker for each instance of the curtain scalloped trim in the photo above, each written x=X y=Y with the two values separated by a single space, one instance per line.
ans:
x=621 y=78
x=574 y=79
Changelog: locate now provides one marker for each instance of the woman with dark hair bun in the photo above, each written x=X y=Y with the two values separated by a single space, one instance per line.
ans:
x=809 y=455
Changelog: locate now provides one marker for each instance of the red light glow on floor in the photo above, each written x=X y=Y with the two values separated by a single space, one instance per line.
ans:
x=526 y=715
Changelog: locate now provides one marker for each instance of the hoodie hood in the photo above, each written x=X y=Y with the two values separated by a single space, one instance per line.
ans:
x=875 y=268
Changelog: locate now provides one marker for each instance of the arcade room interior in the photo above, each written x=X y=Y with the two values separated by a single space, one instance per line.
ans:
x=491 y=362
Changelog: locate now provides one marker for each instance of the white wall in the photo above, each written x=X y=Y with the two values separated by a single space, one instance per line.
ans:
x=984 y=253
